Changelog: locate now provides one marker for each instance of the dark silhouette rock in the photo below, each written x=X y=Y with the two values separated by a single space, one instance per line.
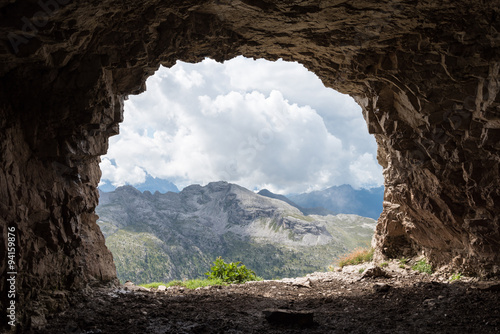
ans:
x=287 y=318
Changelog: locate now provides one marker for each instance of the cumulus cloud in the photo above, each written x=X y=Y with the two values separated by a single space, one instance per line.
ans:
x=121 y=175
x=255 y=123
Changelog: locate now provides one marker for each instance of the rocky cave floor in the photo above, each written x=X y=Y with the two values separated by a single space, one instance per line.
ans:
x=338 y=302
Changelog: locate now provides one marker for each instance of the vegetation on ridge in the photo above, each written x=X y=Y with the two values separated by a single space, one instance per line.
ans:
x=189 y=284
x=221 y=273
x=175 y=237
x=357 y=256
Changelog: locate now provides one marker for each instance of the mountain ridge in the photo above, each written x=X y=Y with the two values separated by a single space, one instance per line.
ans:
x=177 y=235
x=151 y=184
x=306 y=211
x=344 y=199
x=332 y=200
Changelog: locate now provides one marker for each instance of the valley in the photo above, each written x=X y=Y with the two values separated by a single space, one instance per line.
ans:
x=176 y=236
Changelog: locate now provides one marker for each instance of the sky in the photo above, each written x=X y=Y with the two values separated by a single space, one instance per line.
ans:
x=256 y=123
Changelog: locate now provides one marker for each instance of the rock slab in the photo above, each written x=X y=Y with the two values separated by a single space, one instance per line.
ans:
x=289 y=317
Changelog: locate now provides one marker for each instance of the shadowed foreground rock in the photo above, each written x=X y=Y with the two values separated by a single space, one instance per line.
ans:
x=287 y=318
x=335 y=303
x=425 y=73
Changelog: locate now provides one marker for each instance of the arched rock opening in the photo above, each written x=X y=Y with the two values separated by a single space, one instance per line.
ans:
x=425 y=73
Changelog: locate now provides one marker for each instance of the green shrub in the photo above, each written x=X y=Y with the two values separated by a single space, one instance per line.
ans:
x=423 y=267
x=231 y=272
x=455 y=277
x=357 y=256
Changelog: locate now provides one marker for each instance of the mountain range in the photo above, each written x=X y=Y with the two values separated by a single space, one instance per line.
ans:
x=344 y=199
x=161 y=237
x=306 y=211
x=333 y=200
x=151 y=184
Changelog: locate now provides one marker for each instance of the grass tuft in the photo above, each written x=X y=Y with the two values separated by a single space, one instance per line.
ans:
x=357 y=256
x=189 y=284
x=153 y=285
x=422 y=266
x=456 y=277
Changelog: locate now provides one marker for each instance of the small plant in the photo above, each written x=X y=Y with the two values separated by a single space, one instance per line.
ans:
x=455 y=277
x=189 y=284
x=361 y=270
x=402 y=266
x=231 y=272
x=384 y=264
x=403 y=261
x=422 y=266
x=357 y=256
x=153 y=285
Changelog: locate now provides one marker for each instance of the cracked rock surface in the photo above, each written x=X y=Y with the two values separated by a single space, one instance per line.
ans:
x=333 y=302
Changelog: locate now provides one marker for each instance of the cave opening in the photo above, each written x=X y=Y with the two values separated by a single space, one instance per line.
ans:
x=415 y=68
x=270 y=127
x=213 y=114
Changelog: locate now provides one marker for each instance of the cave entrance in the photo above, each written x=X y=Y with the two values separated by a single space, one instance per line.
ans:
x=425 y=73
x=254 y=123
x=257 y=123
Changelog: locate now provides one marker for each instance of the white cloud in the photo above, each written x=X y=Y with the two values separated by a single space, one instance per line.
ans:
x=256 y=123
x=187 y=80
x=365 y=171
x=119 y=176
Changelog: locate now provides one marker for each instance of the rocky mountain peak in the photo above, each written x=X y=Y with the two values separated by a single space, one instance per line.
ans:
x=204 y=222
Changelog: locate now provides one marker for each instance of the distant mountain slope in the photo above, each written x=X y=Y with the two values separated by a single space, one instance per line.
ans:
x=151 y=184
x=344 y=199
x=307 y=211
x=160 y=237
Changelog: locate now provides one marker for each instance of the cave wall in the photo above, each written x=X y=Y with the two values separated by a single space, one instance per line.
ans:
x=425 y=73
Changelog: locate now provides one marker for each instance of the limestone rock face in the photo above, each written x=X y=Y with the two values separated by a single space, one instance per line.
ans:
x=426 y=74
